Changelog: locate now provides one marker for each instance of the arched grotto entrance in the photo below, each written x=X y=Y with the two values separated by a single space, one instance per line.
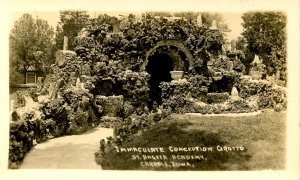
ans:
x=160 y=61
x=159 y=67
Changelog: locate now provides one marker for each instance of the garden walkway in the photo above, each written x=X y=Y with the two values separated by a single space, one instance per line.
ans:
x=68 y=152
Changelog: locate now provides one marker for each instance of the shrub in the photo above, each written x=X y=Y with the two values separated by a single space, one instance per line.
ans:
x=78 y=122
x=23 y=136
x=33 y=94
x=195 y=86
x=110 y=122
x=248 y=87
x=179 y=104
x=134 y=87
x=267 y=95
x=111 y=105
x=21 y=102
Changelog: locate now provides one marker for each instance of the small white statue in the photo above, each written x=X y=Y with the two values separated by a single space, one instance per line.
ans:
x=78 y=83
x=256 y=60
x=234 y=94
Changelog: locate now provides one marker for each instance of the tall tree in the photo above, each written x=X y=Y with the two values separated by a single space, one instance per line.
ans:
x=265 y=33
x=71 y=22
x=30 y=44
x=44 y=54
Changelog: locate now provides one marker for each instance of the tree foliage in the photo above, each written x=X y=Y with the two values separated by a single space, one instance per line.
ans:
x=31 y=44
x=44 y=54
x=71 y=22
x=207 y=19
x=265 y=33
x=242 y=45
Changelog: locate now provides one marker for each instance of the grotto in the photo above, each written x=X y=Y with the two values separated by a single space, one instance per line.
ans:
x=112 y=79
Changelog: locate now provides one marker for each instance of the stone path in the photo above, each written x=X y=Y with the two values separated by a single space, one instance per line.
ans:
x=68 y=152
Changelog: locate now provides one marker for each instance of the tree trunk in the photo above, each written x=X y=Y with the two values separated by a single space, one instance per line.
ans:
x=24 y=77
x=25 y=71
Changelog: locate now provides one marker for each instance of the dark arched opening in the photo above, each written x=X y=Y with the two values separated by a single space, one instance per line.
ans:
x=159 y=66
x=223 y=85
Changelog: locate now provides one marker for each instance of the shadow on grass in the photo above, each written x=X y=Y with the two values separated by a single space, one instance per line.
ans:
x=168 y=134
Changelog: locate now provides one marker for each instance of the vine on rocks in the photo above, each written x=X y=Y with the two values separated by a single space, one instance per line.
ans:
x=136 y=36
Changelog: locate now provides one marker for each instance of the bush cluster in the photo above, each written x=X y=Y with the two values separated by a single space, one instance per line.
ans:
x=24 y=134
x=268 y=95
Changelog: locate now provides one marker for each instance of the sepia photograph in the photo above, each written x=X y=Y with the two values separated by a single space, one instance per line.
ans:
x=152 y=90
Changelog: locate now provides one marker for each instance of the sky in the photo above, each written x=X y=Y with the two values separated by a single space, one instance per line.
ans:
x=233 y=20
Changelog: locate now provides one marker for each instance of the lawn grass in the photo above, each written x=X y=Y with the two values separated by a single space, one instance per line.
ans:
x=262 y=138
